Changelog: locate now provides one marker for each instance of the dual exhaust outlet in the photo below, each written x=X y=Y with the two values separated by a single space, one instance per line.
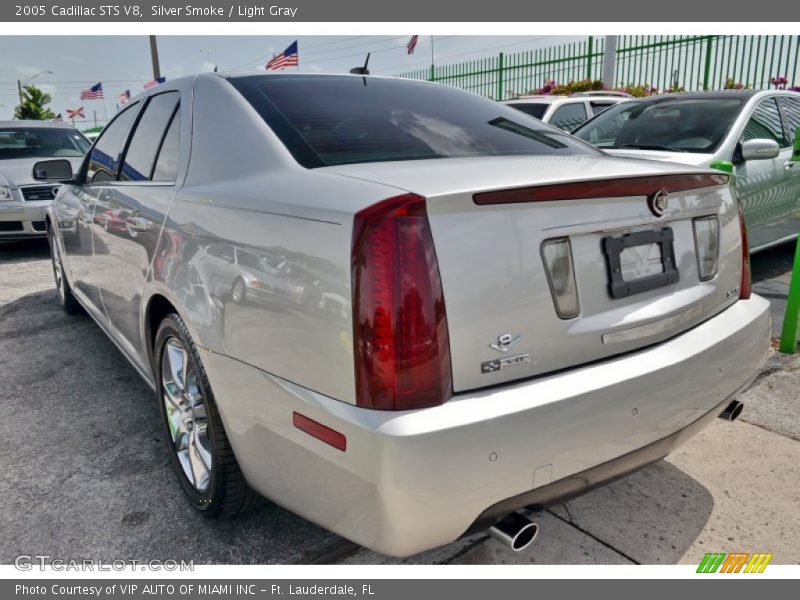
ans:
x=517 y=531
x=732 y=411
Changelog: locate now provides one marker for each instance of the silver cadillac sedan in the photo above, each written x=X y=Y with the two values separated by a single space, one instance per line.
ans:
x=398 y=309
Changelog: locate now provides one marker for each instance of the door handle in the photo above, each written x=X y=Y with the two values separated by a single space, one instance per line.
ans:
x=789 y=165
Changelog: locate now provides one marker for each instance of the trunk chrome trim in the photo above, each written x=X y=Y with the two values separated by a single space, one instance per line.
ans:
x=655 y=328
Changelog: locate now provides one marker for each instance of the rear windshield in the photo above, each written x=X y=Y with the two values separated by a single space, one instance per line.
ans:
x=678 y=125
x=338 y=120
x=534 y=109
x=41 y=142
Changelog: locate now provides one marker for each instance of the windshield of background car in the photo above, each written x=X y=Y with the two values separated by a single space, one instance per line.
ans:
x=41 y=142
x=534 y=109
x=339 y=120
x=678 y=125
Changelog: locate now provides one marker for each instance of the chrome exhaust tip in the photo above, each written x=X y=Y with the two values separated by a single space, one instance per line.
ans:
x=732 y=412
x=516 y=531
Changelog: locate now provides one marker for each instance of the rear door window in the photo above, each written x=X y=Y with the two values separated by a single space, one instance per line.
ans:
x=598 y=107
x=167 y=163
x=105 y=155
x=569 y=116
x=791 y=116
x=765 y=123
x=150 y=131
x=534 y=109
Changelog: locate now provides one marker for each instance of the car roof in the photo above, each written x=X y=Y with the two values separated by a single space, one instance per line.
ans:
x=715 y=95
x=34 y=124
x=551 y=99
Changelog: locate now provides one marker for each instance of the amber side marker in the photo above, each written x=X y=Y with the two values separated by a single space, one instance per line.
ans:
x=319 y=431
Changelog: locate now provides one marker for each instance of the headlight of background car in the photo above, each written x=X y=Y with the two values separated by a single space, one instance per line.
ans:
x=5 y=193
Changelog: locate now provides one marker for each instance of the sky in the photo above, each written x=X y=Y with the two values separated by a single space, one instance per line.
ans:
x=123 y=62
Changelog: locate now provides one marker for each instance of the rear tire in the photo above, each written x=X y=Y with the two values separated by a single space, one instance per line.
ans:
x=196 y=442
x=65 y=297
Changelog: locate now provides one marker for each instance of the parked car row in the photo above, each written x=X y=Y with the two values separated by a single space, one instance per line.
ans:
x=399 y=309
x=23 y=199
x=567 y=112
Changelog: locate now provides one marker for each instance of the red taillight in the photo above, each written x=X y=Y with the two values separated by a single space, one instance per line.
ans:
x=402 y=349
x=745 y=289
x=602 y=188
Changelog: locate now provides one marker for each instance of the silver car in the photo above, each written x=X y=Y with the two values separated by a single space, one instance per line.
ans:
x=750 y=133
x=23 y=200
x=504 y=317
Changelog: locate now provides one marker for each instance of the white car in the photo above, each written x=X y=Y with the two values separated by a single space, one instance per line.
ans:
x=567 y=112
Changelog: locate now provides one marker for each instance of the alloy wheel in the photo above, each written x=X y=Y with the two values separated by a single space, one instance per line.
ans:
x=186 y=414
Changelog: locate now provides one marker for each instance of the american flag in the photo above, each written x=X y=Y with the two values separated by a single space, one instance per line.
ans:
x=287 y=58
x=74 y=114
x=124 y=97
x=93 y=93
x=154 y=82
x=412 y=44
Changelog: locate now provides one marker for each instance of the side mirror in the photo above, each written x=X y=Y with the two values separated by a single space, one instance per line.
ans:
x=59 y=169
x=796 y=150
x=760 y=149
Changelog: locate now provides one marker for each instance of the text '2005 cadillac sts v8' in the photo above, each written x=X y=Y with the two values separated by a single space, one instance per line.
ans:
x=398 y=309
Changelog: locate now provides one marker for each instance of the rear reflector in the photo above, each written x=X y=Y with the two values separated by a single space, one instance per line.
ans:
x=319 y=431
x=557 y=257
x=610 y=188
x=706 y=243
x=400 y=336
x=745 y=289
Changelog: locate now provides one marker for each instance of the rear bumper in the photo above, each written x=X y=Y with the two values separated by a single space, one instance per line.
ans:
x=411 y=481
x=22 y=220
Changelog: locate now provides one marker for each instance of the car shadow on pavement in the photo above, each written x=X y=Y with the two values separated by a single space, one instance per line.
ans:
x=652 y=516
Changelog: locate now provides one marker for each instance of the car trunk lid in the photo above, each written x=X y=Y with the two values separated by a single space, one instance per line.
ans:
x=501 y=314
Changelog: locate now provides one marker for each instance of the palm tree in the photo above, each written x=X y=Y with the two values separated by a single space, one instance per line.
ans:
x=34 y=105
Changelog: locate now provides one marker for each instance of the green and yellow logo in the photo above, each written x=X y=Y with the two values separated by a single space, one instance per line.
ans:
x=736 y=562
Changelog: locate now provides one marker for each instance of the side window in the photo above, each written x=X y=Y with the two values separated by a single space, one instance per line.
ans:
x=765 y=123
x=791 y=116
x=569 y=116
x=167 y=162
x=106 y=152
x=598 y=107
x=141 y=155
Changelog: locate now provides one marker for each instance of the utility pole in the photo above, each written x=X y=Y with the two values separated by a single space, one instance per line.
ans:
x=610 y=60
x=154 y=57
x=19 y=91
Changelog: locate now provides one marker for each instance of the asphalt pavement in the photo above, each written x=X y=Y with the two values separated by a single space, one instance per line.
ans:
x=85 y=475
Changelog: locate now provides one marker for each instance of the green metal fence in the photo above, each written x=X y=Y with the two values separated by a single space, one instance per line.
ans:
x=664 y=62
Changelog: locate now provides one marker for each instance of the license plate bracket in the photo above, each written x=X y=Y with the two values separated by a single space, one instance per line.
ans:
x=613 y=246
